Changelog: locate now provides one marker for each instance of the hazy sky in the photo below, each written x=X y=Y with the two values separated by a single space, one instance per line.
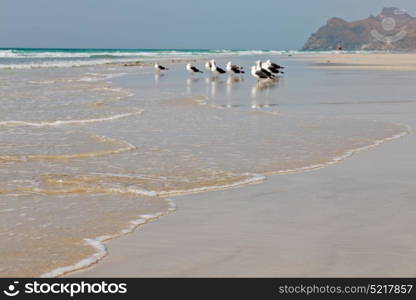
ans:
x=208 y=24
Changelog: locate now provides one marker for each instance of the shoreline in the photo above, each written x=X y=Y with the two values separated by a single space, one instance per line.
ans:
x=238 y=186
x=102 y=243
x=120 y=57
x=99 y=243
x=145 y=61
x=125 y=260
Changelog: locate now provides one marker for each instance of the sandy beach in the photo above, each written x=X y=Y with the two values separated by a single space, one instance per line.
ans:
x=128 y=171
x=262 y=149
x=378 y=62
x=354 y=218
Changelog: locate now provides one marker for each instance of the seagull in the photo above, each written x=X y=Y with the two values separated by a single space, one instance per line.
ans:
x=159 y=67
x=208 y=65
x=259 y=67
x=269 y=67
x=273 y=65
x=259 y=74
x=215 y=69
x=193 y=69
x=234 y=68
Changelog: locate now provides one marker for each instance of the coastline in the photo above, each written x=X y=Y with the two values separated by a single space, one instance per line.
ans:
x=308 y=224
x=237 y=187
x=365 y=61
x=101 y=243
x=209 y=254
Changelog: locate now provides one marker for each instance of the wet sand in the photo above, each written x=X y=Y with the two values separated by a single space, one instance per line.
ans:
x=103 y=146
x=355 y=218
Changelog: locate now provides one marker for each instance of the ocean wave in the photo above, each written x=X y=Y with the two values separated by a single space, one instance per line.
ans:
x=68 y=122
x=58 y=64
x=49 y=58
x=63 y=54
x=93 y=77
x=123 y=146
x=109 y=183
x=28 y=59
x=98 y=242
x=98 y=245
x=251 y=179
x=337 y=159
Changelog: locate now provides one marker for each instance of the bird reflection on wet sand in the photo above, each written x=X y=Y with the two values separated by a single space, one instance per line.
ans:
x=158 y=77
x=262 y=88
x=190 y=82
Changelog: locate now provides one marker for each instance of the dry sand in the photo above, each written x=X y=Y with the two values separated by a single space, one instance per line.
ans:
x=383 y=61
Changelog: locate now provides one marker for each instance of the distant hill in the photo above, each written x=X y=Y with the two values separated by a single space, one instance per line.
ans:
x=392 y=29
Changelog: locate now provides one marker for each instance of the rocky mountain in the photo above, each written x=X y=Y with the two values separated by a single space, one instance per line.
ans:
x=392 y=29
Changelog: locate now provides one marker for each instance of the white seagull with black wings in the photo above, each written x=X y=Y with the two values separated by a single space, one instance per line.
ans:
x=215 y=69
x=234 y=69
x=259 y=74
x=159 y=67
x=259 y=67
x=272 y=67
x=192 y=69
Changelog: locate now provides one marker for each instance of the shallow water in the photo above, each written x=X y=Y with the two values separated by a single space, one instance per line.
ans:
x=89 y=153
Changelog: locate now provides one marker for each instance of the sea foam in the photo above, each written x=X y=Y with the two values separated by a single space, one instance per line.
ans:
x=69 y=122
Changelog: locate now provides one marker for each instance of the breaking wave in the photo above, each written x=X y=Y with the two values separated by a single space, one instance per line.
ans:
x=68 y=122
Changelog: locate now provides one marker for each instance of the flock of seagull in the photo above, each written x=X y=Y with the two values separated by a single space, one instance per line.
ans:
x=262 y=70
